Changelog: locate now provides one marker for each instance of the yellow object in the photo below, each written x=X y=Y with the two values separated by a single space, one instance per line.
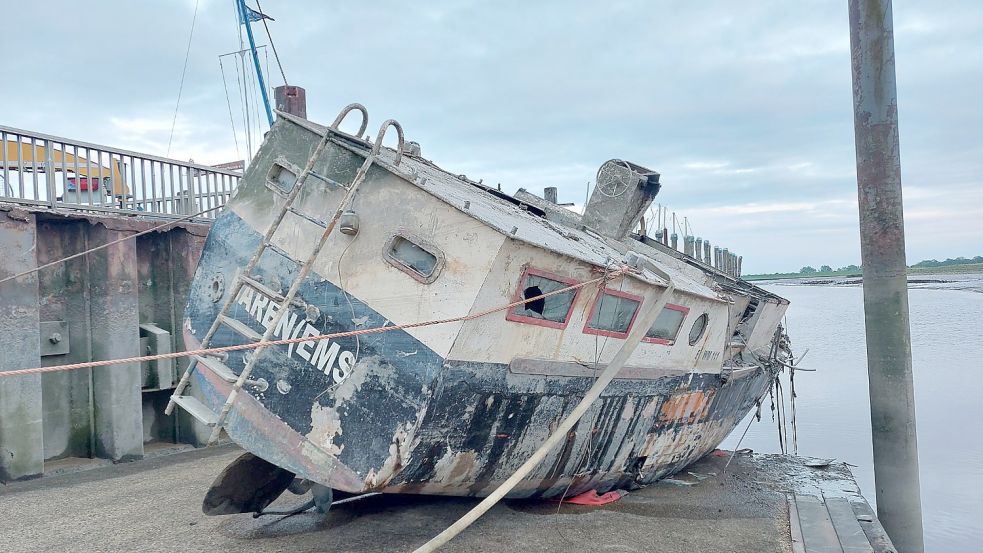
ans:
x=64 y=161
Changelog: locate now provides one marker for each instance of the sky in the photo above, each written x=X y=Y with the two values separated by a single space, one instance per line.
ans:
x=745 y=108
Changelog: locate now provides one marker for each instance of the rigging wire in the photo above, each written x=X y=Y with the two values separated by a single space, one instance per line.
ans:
x=738 y=446
x=266 y=58
x=228 y=102
x=795 y=430
x=341 y=282
x=273 y=46
x=258 y=105
x=249 y=77
x=778 y=420
x=184 y=72
x=244 y=102
x=791 y=382
x=241 y=79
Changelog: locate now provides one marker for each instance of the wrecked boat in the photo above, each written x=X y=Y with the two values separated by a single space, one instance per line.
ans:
x=454 y=408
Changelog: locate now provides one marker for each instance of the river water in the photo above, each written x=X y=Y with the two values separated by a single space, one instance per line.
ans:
x=832 y=409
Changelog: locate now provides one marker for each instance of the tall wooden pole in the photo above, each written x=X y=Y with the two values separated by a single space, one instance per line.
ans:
x=882 y=247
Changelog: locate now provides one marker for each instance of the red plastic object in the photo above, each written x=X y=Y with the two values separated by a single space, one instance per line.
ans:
x=591 y=497
x=82 y=183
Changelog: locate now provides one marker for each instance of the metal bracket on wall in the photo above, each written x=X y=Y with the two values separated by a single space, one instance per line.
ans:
x=158 y=374
x=54 y=338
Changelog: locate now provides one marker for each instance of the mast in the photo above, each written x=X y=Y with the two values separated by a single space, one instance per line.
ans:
x=244 y=17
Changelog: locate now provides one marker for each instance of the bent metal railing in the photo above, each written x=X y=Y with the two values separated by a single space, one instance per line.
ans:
x=45 y=170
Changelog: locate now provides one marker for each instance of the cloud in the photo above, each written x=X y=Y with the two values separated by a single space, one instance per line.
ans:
x=746 y=110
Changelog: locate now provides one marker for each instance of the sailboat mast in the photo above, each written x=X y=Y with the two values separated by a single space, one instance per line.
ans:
x=245 y=19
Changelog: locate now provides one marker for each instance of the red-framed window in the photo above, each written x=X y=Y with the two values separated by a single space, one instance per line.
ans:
x=552 y=311
x=613 y=313
x=666 y=327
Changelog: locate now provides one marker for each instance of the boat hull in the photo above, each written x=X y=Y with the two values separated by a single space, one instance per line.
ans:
x=397 y=417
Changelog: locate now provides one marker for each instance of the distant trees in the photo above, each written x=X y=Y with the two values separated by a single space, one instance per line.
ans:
x=827 y=270
x=950 y=261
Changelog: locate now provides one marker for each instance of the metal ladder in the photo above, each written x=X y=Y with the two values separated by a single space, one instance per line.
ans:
x=192 y=405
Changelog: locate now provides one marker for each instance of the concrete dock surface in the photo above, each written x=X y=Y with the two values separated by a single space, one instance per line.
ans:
x=155 y=505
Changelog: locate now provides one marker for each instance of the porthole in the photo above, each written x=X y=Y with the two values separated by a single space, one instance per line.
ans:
x=282 y=176
x=698 y=328
x=420 y=261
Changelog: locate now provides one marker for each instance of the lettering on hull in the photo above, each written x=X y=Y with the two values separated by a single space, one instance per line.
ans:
x=325 y=355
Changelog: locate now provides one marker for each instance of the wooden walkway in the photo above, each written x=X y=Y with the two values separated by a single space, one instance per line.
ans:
x=834 y=525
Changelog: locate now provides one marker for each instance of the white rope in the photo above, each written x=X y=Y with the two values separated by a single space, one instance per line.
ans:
x=654 y=303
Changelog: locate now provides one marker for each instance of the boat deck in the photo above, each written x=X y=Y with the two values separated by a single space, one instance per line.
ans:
x=155 y=505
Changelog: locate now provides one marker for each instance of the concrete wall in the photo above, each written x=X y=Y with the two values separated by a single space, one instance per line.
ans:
x=89 y=308
x=21 y=451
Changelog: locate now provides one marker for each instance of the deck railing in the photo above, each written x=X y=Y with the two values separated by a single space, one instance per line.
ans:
x=45 y=170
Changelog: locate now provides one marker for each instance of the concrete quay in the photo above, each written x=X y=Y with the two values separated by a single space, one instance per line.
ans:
x=155 y=505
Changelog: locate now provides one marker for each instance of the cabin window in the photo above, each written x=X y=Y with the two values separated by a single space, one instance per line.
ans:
x=418 y=261
x=613 y=313
x=666 y=327
x=281 y=177
x=699 y=327
x=552 y=311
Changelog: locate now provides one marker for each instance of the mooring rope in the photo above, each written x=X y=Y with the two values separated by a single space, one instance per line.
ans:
x=107 y=244
x=361 y=332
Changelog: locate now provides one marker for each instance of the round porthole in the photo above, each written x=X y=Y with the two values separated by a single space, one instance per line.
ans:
x=699 y=327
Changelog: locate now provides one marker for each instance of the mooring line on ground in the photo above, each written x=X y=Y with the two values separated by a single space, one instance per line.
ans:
x=107 y=244
x=375 y=330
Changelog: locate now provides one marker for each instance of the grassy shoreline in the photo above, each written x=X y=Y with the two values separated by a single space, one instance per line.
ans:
x=944 y=270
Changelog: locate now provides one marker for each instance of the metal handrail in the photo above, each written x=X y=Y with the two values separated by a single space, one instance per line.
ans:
x=57 y=172
x=114 y=150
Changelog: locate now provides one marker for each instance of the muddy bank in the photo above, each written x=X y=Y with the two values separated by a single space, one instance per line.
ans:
x=963 y=282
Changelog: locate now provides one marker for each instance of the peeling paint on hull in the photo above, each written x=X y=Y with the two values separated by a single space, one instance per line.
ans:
x=421 y=423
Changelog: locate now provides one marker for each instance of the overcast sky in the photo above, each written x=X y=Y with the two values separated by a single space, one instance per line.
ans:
x=744 y=107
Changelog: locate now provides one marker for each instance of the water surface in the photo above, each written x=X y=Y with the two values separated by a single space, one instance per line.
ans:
x=833 y=416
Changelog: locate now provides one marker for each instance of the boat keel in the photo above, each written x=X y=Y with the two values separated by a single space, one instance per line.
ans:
x=248 y=485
